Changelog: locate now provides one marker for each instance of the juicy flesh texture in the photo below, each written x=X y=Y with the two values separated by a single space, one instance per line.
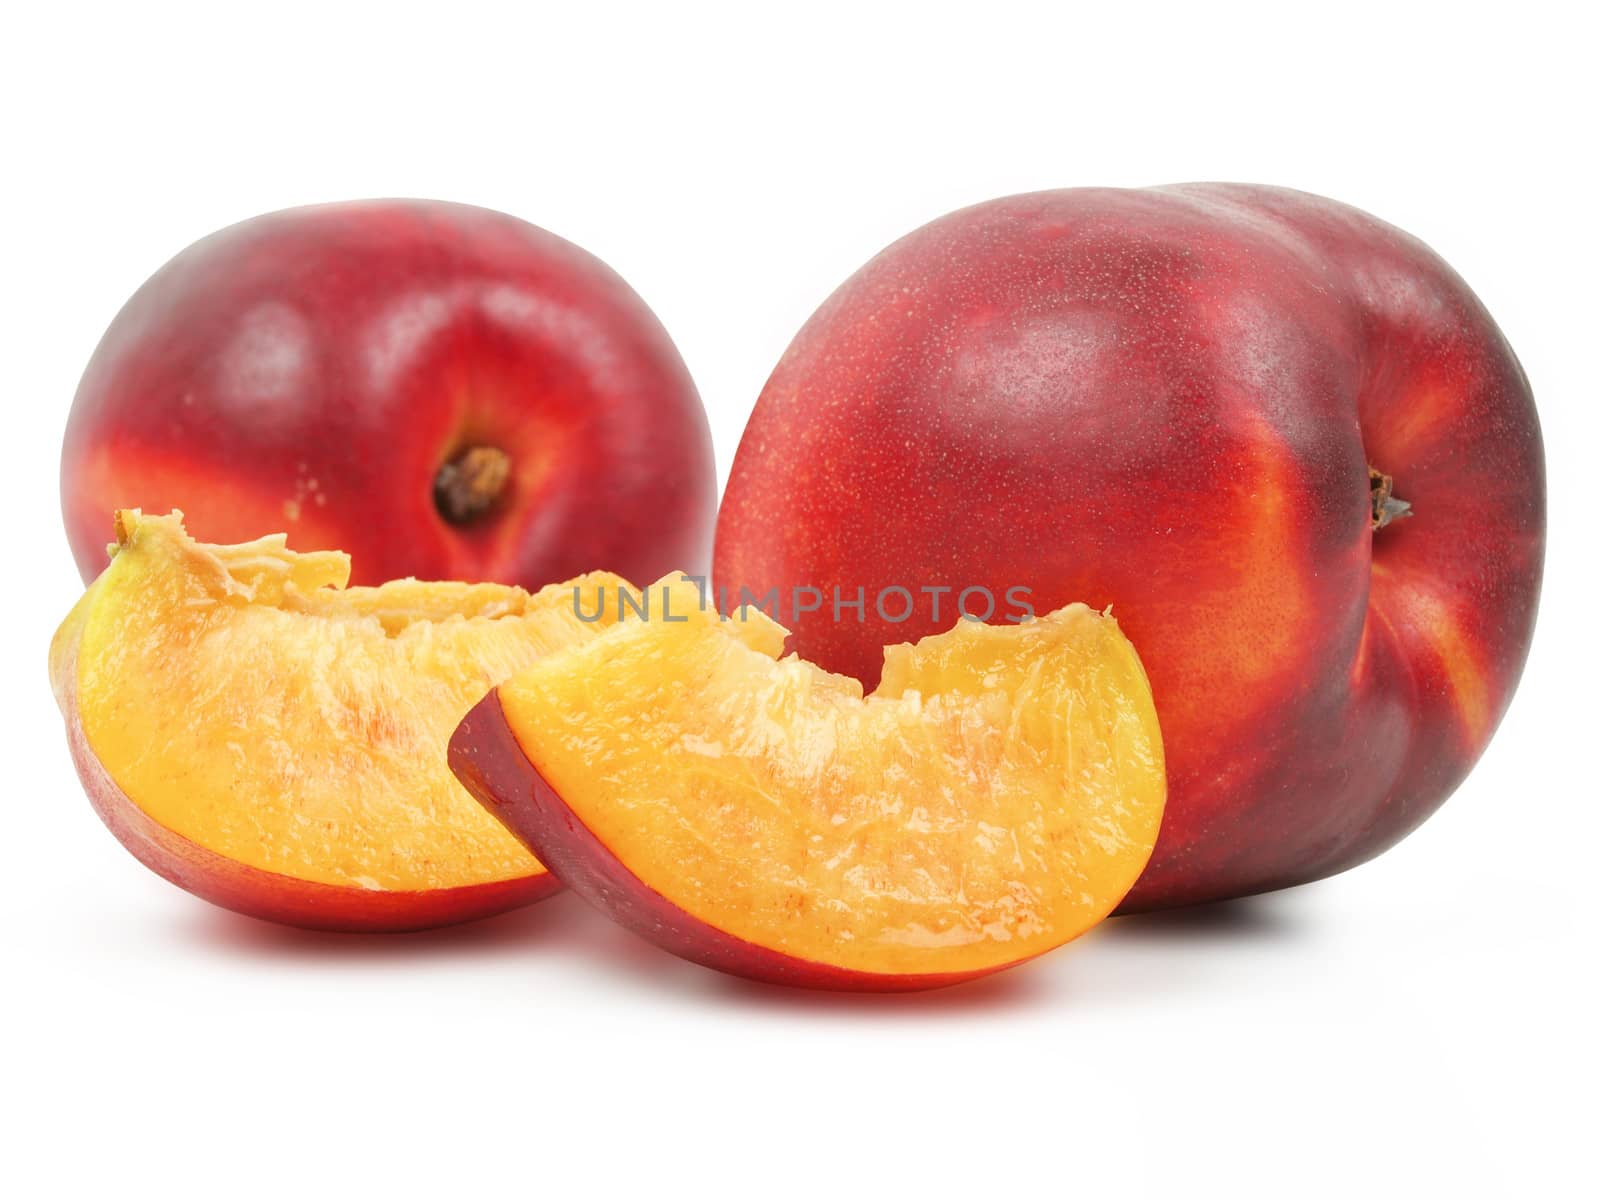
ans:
x=241 y=697
x=996 y=796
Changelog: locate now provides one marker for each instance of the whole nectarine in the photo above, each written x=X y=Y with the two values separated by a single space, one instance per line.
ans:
x=1279 y=437
x=440 y=390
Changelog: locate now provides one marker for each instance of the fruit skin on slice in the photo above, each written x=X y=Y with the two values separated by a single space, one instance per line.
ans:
x=996 y=796
x=272 y=742
x=279 y=897
x=487 y=757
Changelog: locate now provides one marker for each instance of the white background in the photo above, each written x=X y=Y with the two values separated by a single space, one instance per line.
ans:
x=1423 y=1024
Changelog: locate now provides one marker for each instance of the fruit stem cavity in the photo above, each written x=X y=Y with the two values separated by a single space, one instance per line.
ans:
x=469 y=485
x=1386 y=506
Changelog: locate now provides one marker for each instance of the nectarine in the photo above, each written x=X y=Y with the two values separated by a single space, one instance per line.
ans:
x=996 y=796
x=1281 y=437
x=275 y=743
x=440 y=390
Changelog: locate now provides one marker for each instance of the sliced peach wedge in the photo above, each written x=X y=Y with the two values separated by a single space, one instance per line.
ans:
x=996 y=796
x=274 y=742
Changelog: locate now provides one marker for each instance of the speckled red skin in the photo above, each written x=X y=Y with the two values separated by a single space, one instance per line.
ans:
x=488 y=759
x=310 y=370
x=1167 y=400
x=265 y=894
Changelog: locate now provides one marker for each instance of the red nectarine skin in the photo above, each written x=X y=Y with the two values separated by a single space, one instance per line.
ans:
x=1168 y=401
x=486 y=756
x=278 y=897
x=312 y=371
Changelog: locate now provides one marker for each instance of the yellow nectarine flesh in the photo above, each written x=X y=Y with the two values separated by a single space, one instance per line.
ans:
x=996 y=796
x=243 y=699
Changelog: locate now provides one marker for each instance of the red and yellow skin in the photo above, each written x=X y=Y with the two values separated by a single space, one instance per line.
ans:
x=1181 y=402
x=325 y=371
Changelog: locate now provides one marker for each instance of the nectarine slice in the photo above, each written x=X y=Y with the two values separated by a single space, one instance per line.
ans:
x=996 y=796
x=274 y=742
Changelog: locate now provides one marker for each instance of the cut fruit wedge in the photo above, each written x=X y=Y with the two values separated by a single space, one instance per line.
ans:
x=995 y=797
x=274 y=742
